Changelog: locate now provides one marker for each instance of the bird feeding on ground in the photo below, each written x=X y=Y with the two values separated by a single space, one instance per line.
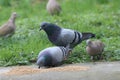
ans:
x=95 y=48
x=8 y=29
x=62 y=37
x=53 y=56
x=53 y=7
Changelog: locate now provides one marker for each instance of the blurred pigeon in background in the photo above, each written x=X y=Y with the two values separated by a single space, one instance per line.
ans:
x=62 y=37
x=52 y=56
x=95 y=48
x=53 y=7
x=9 y=27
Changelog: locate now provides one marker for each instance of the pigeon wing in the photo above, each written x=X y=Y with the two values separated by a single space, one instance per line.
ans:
x=67 y=36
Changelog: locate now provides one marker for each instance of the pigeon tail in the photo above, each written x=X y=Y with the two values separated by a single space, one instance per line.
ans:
x=86 y=36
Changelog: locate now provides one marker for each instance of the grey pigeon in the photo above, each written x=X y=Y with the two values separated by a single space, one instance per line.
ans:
x=52 y=56
x=95 y=48
x=53 y=7
x=62 y=37
x=9 y=27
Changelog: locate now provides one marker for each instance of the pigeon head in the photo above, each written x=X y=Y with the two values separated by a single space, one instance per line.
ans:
x=14 y=15
x=44 y=25
x=44 y=60
x=88 y=42
x=49 y=28
x=86 y=36
x=41 y=61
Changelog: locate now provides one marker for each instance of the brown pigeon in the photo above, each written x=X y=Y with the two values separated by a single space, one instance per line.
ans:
x=53 y=7
x=95 y=48
x=9 y=27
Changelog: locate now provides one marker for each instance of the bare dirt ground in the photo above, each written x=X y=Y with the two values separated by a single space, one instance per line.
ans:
x=80 y=71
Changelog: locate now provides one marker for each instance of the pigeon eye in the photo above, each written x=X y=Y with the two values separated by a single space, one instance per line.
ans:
x=44 y=26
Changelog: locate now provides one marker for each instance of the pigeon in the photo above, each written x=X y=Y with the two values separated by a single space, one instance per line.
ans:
x=53 y=7
x=8 y=29
x=62 y=37
x=95 y=48
x=53 y=56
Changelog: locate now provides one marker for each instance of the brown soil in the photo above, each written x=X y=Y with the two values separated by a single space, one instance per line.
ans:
x=21 y=70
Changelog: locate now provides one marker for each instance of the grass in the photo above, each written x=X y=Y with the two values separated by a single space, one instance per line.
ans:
x=101 y=17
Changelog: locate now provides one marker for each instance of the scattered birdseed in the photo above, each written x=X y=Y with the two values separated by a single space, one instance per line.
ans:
x=22 y=70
